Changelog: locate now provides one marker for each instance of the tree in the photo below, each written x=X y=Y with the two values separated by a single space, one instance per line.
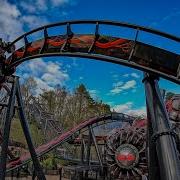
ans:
x=169 y=95
x=48 y=100
x=69 y=108
x=28 y=88
x=82 y=106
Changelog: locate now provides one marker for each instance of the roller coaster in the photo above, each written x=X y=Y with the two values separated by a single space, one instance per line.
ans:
x=145 y=149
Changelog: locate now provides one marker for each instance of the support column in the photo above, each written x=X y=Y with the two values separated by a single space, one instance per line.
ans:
x=6 y=132
x=153 y=166
x=82 y=150
x=88 y=154
x=168 y=160
x=89 y=147
x=97 y=149
x=23 y=120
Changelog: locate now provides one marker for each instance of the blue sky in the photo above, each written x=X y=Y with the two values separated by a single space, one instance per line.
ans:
x=119 y=86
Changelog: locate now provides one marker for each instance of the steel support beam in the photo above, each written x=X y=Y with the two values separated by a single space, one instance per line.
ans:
x=82 y=150
x=96 y=147
x=24 y=124
x=6 y=132
x=153 y=166
x=88 y=154
x=167 y=154
x=89 y=148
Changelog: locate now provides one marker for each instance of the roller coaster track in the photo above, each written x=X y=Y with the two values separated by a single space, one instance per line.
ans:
x=46 y=121
x=154 y=61
x=127 y=52
x=45 y=148
x=4 y=96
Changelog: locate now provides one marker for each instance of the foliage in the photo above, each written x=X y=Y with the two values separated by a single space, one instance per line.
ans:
x=68 y=108
x=17 y=134
x=28 y=88
x=50 y=162
x=169 y=95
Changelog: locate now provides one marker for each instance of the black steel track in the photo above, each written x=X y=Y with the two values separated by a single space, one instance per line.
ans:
x=129 y=63
x=103 y=22
x=106 y=119
x=102 y=58
x=153 y=60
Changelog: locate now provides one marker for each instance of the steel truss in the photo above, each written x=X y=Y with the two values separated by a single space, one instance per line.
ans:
x=163 y=156
x=15 y=95
x=162 y=151
x=160 y=134
x=8 y=66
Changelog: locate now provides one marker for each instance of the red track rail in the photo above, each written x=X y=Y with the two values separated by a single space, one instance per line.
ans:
x=128 y=52
x=25 y=158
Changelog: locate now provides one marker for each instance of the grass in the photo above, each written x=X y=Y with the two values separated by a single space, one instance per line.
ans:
x=17 y=134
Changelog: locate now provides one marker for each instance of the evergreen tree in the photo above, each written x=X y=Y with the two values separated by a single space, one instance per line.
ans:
x=169 y=95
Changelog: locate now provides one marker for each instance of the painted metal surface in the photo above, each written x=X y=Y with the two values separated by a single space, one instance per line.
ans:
x=128 y=52
x=64 y=137
x=126 y=153
x=144 y=56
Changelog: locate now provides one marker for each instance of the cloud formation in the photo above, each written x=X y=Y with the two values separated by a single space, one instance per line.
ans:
x=127 y=108
x=60 y=2
x=121 y=86
x=166 y=18
x=15 y=19
x=94 y=93
x=47 y=74
x=134 y=75
x=10 y=24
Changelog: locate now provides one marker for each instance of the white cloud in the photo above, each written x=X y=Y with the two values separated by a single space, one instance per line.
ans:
x=10 y=25
x=59 y=2
x=94 y=93
x=126 y=75
x=34 y=6
x=42 y=5
x=39 y=6
x=33 y=21
x=135 y=75
x=120 y=86
x=9 y=9
x=137 y=112
x=41 y=85
x=12 y=20
x=29 y=7
x=47 y=74
x=129 y=85
x=122 y=108
x=127 y=108
x=25 y=14
x=116 y=90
